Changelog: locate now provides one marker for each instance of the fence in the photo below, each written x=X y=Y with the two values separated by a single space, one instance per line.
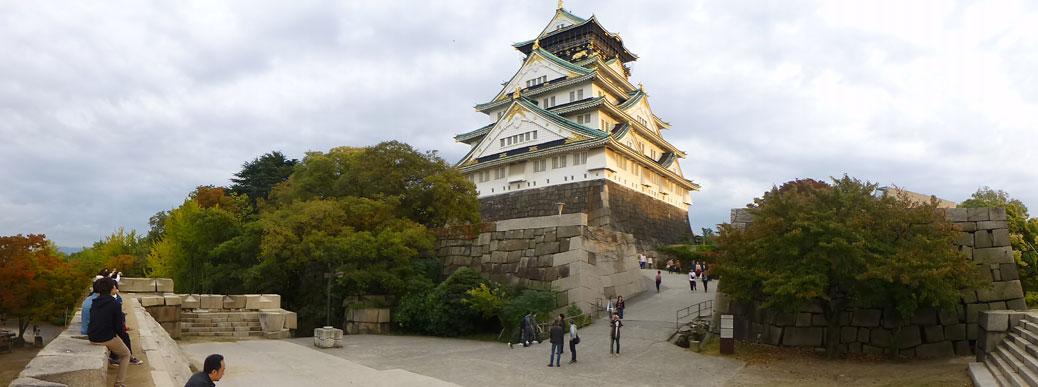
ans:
x=697 y=309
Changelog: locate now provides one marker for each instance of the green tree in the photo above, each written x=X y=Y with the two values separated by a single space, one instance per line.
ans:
x=839 y=245
x=1023 y=231
x=186 y=252
x=123 y=251
x=442 y=311
x=423 y=186
x=259 y=176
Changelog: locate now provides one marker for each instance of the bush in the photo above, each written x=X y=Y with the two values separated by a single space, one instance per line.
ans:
x=439 y=310
x=578 y=316
x=541 y=302
x=1032 y=300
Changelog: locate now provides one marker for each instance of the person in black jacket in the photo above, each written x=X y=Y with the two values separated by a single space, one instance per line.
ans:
x=557 y=335
x=212 y=371
x=106 y=323
x=614 y=334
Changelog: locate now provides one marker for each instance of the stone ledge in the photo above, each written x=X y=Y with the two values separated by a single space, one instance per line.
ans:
x=68 y=361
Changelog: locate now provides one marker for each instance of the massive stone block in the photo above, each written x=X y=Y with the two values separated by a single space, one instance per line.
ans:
x=137 y=285
x=802 y=337
x=993 y=255
x=866 y=317
x=1000 y=291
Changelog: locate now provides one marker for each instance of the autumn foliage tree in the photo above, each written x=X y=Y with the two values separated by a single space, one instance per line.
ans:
x=35 y=284
x=838 y=245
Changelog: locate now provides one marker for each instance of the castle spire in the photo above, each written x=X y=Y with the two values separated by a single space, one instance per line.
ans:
x=560 y=4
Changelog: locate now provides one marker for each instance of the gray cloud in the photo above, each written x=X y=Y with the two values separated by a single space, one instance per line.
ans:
x=112 y=112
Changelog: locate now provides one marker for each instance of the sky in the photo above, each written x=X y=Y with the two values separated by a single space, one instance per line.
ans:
x=113 y=111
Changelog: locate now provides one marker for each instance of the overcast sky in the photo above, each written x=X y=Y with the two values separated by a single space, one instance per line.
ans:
x=113 y=111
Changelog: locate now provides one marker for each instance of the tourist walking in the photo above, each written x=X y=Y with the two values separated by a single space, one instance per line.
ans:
x=692 y=280
x=706 y=280
x=699 y=269
x=611 y=307
x=614 y=334
x=212 y=371
x=659 y=278
x=620 y=306
x=574 y=339
x=641 y=261
x=106 y=322
x=557 y=337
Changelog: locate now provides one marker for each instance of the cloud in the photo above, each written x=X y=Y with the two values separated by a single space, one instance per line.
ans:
x=112 y=112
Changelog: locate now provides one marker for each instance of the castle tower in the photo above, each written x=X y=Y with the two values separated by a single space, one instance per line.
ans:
x=570 y=132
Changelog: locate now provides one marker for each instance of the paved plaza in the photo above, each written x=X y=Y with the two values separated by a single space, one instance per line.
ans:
x=647 y=358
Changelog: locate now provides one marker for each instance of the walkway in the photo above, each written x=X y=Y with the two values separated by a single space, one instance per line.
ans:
x=647 y=359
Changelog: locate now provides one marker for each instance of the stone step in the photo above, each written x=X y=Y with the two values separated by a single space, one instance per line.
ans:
x=1000 y=378
x=1002 y=365
x=1024 y=337
x=1031 y=318
x=1016 y=366
x=981 y=375
x=1029 y=326
x=1022 y=356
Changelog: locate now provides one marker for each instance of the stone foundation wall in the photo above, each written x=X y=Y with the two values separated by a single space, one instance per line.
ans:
x=606 y=204
x=562 y=252
x=931 y=333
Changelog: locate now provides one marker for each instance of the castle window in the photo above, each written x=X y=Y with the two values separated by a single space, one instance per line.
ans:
x=580 y=158
x=540 y=165
x=502 y=142
x=499 y=173
x=484 y=176
x=558 y=162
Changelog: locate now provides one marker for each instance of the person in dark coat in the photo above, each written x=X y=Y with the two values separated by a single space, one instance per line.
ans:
x=557 y=335
x=106 y=323
x=614 y=334
x=212 y=371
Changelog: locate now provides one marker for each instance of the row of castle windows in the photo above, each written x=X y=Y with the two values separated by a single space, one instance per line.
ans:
x=519 y=138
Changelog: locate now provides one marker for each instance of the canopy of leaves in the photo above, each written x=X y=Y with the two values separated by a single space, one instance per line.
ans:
x=259 y=176
x=1023 y=231
x=122 y=251
x=441 y=311
x=839 y=245
x=34 y=283
x=187 y=251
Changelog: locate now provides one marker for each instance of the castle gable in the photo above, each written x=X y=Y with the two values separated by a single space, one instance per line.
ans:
x=524 y=127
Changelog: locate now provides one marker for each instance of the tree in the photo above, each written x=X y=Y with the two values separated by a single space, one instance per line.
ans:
x=1023 y=231
x=839 y=245
x=34 y=283
x=124 y=251
x=259 y=176
x=425 y=188
x=186 y=252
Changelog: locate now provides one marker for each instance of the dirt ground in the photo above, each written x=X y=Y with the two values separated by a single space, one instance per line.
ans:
x=11 y=364
x=772 y=366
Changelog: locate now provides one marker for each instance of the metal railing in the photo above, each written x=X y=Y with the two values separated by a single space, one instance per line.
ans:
x=698 y=309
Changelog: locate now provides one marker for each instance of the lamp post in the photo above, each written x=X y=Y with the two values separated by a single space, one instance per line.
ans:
x=329 y=276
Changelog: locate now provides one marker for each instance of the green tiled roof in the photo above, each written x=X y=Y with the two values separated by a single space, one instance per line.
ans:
x=475 y=133
x=636 y=96
x=668 y=159
x=562 y=120
x=563 y=62
x=621 y=131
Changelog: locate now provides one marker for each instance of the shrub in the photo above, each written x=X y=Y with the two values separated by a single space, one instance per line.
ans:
x=440 y=310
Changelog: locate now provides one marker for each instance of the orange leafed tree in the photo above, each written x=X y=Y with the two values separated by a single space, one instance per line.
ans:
x=34 y=283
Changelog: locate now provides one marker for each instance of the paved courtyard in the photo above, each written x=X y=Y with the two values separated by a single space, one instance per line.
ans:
x=647 y=358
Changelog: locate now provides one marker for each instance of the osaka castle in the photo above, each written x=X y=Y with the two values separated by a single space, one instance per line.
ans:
x=570 y=132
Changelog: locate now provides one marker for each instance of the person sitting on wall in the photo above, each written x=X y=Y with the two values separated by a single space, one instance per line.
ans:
x=106 y=322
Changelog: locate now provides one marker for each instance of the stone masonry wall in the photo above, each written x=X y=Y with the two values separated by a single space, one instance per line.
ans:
x=606 y=204
x=584 y=263
x=931 y=333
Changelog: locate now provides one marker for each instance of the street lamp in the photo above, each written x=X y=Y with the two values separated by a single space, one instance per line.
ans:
x=329 y=276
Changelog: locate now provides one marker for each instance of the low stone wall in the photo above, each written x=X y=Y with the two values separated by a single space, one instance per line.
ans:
x=367 y=321
x=220 y=315
x=994 y=325
x=68 y=360
x=931 y=333
x=584 y=263
x=169 y=365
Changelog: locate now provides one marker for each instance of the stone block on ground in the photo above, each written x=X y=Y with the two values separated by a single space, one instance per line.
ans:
x=270 y=301
x=252 y=301
x=152 y=301
x=272 y=320
x=994 y=320
x=211 y=301
x=291 y=320
x=279 y=335
x=327 y=337
x=137 y=285
x=173 y=299
x=234 y=302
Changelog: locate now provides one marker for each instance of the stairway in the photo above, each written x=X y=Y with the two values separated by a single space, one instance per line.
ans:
x=227 y=324
x=1014 y=363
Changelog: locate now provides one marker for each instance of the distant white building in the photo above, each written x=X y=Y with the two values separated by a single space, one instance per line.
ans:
x=570 y=115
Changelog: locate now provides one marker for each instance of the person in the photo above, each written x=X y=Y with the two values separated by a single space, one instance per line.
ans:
x=123 y=335
x=705 y=279
x=620 y=306
x=535 y=329
x=614 y=334
x=699 y=269
x=692 y=280
x=113 y=359
x=574 y=339
x=522 y=331
x=556 y=336
x=212 y=371
x=610 y=308
x=670 y=265
x=106 y=321
x=642 y=260
x=659 y=279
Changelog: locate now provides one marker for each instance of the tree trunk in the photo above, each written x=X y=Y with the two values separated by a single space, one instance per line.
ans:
x=23 y=324
x=832 y=331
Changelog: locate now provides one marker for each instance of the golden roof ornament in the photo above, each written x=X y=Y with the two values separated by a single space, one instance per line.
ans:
x=516 y=94
x=640 y=87
x=536 y=44
x=560 y=4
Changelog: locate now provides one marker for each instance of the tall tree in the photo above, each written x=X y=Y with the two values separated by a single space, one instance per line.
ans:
x=838 y=246
x=186 y=252
x=1023 y=231
x=260 y=175
x=34 y=283
x=128 y=246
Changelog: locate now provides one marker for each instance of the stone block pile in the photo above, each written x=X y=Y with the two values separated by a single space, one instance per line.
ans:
x=585 y=264
x=328 y=337
x=984 y=240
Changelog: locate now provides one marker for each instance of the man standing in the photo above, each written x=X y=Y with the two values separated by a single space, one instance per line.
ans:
x=212 y=371
x=659 y=278
x=642 y=260
x=692 y=280
x=574 y=339
x=106 y=322
x=614 y=334
x=557 y=336
x=706 y=279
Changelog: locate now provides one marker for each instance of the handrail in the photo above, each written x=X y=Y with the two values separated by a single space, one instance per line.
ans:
x=697 y=309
